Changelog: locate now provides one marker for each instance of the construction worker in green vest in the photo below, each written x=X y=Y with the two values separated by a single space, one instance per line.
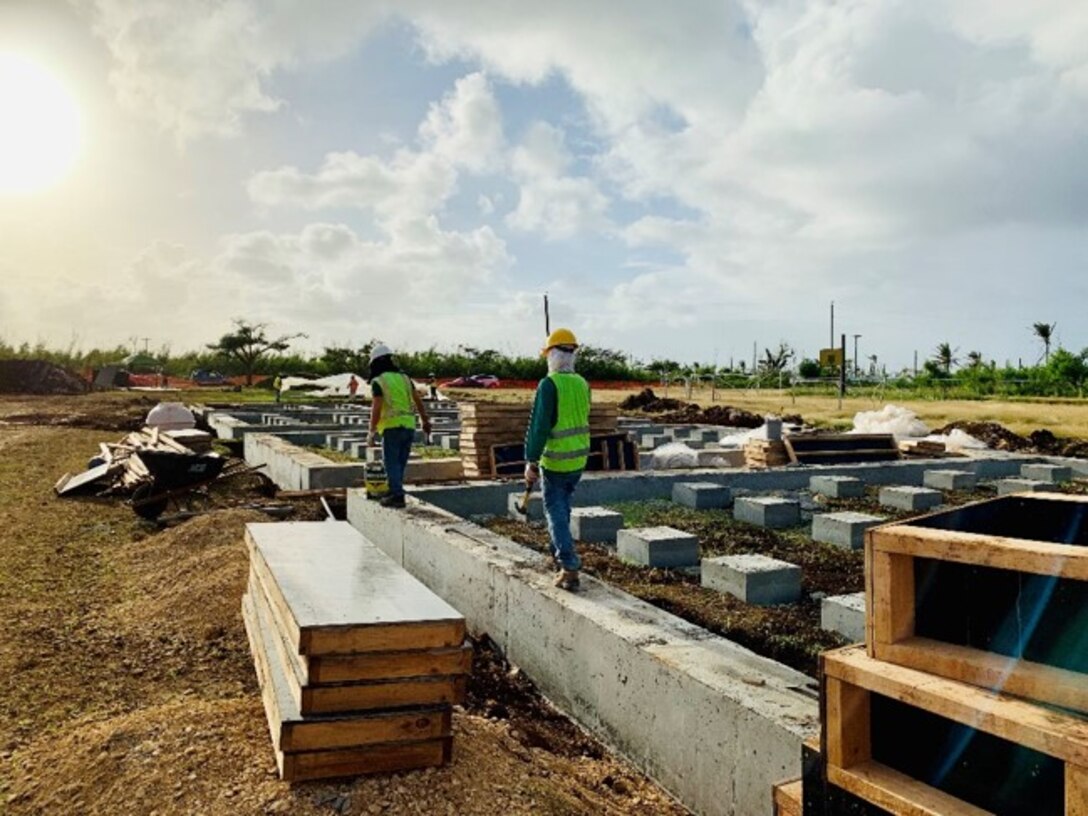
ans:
x=557 y=447
x=393 y=416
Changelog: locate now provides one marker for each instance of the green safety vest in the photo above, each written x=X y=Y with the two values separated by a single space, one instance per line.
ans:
x=397 y=408
x=567 y=447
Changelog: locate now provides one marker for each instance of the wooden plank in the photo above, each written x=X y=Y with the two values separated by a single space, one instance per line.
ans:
x=378 y=695
x=788 y=798
x=890 y=596
x=1048 y=731
x=1034 y=681
x=1019 y=555
x=291 y=732
x=342 y=594
x=846 y=721
x=370 y=760
x=389 y=665
x=1076 y=791
x=898 y=793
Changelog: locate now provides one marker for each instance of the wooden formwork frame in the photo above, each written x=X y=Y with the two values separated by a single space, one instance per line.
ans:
x=890 y=551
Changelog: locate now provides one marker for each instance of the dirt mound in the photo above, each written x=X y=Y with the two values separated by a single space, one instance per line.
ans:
x=646 y=400
x=679 y=412
x=1045 y=441
x=994 y=434
x=38 y=377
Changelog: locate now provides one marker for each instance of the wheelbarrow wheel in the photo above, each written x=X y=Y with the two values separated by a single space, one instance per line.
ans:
x=145 y=504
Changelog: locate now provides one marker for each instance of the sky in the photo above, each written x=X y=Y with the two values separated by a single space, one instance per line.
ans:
x=684 y=180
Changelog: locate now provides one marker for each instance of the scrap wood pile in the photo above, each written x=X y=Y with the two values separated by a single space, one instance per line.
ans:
x=485 y=425
x=38 y=377
x=765 y=453
x=120 y=468
x=359 y=663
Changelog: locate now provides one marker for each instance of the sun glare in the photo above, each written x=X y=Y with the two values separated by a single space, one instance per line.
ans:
x=39 y=127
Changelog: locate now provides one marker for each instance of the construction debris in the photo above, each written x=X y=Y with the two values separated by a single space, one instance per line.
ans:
x=38 y=377
x=993 y=434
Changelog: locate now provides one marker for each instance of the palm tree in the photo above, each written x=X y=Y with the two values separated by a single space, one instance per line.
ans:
x=974 y=359
x=1045 y=331
x=945 y=357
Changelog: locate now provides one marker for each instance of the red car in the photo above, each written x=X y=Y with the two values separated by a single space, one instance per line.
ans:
x=473 y=381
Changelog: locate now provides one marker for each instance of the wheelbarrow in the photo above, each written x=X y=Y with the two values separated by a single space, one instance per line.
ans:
x=174 y=475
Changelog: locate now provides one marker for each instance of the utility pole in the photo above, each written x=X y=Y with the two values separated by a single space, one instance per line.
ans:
x=547 y=317
x=831 y=342
x=856 y=369
x=842 y=371
x=145 y=339
x=916 y=362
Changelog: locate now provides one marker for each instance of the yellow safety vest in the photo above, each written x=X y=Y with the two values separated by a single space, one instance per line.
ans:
x=397 y=407
x=567 y=448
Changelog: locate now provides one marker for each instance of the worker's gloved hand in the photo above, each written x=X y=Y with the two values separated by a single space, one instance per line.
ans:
x=427 y=427
x=532 y=473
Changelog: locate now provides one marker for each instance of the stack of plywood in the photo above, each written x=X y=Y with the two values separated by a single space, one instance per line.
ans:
x=763 y=453
x=486 y=424
x=970 y=695
x=359 y=663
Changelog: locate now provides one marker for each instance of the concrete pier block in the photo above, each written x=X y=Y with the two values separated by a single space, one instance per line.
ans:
x=658 y=547
x=949 y=479
x=837 y=487
x=680 y=434
x=451 y=441
x=844 y=614
x=768 y=511
x=1046 y=473
x=536 y=506
x=702 y=495
x=1006 y=487
x=909 y=498
x=708 y=435
x=846 y=530
x=595 y=524
x=655 y=440
x=754 y=579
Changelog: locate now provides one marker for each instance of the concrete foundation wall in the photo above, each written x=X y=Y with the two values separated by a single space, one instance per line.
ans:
x=606 y=488
x=295 y=468
x=714 y=723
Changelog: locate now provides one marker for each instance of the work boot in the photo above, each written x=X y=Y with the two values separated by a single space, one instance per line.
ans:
x=567 y=579
x=392 y=501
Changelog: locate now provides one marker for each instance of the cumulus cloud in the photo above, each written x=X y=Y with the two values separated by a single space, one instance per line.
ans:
x=552 y=202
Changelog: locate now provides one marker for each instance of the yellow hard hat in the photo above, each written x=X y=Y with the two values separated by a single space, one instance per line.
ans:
x=559 y=337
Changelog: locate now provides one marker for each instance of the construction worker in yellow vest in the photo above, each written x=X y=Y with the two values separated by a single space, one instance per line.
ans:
x=393 y=416
x=557 y=447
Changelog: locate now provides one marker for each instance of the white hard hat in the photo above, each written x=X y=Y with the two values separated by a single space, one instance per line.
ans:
x=380 y=350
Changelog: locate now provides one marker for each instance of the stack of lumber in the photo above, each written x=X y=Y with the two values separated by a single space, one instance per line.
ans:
x=359 y=663
x=119 y=469
x=923 y=449
x=970 y=697
x=762 y=453
x=487 y=424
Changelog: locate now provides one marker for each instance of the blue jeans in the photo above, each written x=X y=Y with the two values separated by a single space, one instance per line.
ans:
x=396 y=446
x=558 y=488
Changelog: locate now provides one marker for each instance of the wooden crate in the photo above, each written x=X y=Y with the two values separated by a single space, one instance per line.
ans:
x=993 y=593
x=913 y=743
x=835 y=449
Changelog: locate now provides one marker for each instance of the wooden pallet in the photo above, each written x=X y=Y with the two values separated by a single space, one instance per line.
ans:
x=834 y=449
x=943 y=587
x=975 y=737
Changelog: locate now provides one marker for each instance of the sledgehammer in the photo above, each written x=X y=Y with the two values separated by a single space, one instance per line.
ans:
x=522 y=506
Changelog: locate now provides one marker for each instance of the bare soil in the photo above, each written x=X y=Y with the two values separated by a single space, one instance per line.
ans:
x=133 y=690
x=788 y=633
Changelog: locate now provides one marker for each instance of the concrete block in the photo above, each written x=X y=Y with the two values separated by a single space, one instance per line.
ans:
x=680 y=433
x=693 y=443
x=837 y=487
x=655 y=440
x=846 y=530
x=768 y=511
x=709 y=435
x=755 y=579
x=702 y=495
x=1006 y=487
x=844 y=614
x=595 y=524
x=949 y=479
x=536 y=506
x=1047 y=473
x=451 y=441
x=909 y=498
x=658 y=547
